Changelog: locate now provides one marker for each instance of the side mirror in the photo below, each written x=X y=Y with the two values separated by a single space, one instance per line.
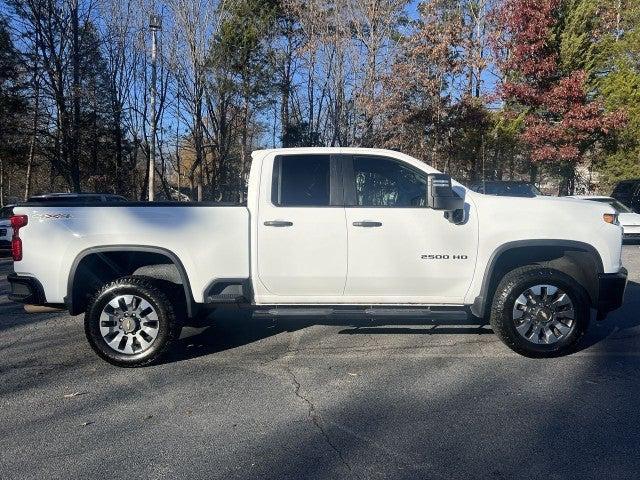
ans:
x=441 y=196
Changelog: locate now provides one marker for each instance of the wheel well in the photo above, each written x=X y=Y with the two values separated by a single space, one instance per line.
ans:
x=581 y=263
x=95 y=268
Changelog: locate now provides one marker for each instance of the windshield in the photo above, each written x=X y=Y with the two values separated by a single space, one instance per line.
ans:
x=511 y=189
x=618 y=206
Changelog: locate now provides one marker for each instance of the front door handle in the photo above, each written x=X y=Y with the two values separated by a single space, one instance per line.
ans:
x=278 y=223
x=367 y=223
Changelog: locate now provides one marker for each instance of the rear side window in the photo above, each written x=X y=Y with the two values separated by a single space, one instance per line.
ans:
x=302 y=181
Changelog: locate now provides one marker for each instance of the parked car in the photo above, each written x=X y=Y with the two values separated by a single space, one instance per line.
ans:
x=506 y=188
x=6 y=232
x=628 y=192
x=77 y=197
x=629 y=220
x=326 y=231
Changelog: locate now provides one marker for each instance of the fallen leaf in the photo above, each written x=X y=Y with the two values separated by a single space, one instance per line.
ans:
x=74 y=394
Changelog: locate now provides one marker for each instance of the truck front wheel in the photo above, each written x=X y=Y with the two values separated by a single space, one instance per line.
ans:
x=539 y=312
x=130 y=322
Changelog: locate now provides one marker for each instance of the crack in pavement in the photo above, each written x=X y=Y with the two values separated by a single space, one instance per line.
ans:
x=315 y=418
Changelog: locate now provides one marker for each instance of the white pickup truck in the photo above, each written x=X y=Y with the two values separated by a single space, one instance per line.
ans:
x=325 y=231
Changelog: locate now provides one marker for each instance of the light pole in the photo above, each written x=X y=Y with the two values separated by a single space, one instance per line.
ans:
x=155 y=24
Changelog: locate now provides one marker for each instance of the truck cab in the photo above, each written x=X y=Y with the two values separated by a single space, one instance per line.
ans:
x=355 y=227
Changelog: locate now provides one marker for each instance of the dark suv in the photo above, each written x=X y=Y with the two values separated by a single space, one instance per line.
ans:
x=628 y=192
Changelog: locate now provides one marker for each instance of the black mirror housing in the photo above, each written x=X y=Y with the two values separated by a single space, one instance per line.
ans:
x=440 y=193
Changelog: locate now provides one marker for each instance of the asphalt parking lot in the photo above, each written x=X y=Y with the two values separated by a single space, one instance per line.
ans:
x=288 y=399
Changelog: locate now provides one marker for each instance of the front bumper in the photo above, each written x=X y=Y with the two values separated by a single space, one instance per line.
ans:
x=611 y=287
x=26 y=290
x=630 y=232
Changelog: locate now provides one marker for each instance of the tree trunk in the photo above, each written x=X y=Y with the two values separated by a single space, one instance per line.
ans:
x=34 y=136
x=568 y=180
x=244 y=137
x=75 y=122
x=118 y=140
x=1 y=181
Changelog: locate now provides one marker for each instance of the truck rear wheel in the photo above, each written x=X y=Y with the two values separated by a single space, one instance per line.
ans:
x=539 y=312
x=130 y=322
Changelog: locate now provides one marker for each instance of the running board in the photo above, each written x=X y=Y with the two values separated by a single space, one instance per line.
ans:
x=425 y=313
x=226 y=298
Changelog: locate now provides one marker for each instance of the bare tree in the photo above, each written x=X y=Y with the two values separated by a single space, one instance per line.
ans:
x=195 y=23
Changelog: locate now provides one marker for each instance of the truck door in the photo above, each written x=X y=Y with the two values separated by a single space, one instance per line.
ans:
x=400 y=251
x=301 y=229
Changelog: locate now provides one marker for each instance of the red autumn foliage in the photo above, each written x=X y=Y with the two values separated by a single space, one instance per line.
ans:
x=562 y=121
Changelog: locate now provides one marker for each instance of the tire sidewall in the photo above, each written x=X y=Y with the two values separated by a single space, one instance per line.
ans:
x=559 y=280
x=92 y=324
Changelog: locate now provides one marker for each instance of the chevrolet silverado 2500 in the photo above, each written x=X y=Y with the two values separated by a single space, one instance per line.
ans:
x=324 y=231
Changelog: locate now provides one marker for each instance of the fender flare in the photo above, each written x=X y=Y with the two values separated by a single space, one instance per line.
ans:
x=69 y=301
x=479 y=306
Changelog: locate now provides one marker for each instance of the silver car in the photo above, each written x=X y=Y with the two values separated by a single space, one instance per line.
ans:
x=629 y=220
x=6 y=232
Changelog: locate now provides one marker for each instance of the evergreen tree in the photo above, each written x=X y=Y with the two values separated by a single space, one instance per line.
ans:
x=12 y=105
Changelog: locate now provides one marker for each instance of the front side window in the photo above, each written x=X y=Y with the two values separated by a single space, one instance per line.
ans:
x=386 y=183
x=302 y=180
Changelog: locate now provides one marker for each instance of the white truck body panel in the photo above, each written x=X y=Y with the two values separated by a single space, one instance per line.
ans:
x=211 y=242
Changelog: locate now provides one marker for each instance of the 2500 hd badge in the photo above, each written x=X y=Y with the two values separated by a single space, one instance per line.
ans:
x=444 y=256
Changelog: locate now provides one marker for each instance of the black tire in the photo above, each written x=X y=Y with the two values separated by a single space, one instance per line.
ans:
x=168 y=325
x=517 y=281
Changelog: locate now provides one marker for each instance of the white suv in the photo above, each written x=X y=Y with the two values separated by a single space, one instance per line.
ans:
x=6 y=232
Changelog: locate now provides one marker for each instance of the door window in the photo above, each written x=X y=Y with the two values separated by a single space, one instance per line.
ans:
x=301 y=181
x=381 y=182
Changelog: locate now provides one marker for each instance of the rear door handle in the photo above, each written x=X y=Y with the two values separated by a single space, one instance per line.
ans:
x=367 y=223
x=278 y=223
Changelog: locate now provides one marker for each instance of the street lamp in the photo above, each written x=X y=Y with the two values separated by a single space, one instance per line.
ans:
x=155 y=25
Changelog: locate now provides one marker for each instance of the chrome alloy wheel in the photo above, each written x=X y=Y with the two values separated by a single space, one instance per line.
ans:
x=544 y=314
x=129 y=324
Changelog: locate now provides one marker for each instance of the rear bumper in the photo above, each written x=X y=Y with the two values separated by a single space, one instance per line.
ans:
x=611 y=287
x=26 y=290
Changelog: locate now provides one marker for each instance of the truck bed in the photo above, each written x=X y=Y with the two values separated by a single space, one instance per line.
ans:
x=205 y=238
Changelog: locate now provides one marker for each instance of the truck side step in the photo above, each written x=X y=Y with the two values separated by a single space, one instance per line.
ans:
x=226 y=298
x=228 y=291
x=452 y=314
